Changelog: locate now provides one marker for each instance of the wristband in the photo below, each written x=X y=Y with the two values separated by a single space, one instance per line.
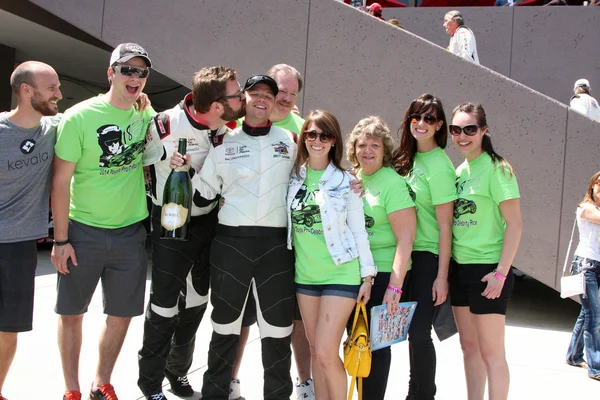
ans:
x=499 y=276
x=394 y=289
x=61 y=243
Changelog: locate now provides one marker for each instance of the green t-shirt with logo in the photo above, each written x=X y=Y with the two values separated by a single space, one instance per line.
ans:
x=292 y=123
x=314 y=265
x=106 y=143
x=385 y=192
x=432 y=181
x=478 y=226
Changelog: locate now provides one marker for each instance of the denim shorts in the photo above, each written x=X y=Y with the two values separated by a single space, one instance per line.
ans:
x=349 y=291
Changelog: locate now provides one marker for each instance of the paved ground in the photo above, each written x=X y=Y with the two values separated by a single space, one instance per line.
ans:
x=537 y=335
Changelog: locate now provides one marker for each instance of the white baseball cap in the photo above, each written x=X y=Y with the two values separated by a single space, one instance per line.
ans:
x=581 y=82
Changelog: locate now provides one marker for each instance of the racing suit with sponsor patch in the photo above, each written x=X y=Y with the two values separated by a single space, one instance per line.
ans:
x=250 y=170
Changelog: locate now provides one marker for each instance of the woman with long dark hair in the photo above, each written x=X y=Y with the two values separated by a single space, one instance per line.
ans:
x=421 y=159
x=486 y=233
x=586 y=334
x=326 y=226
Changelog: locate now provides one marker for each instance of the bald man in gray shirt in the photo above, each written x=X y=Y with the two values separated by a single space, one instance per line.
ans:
x=27 y=137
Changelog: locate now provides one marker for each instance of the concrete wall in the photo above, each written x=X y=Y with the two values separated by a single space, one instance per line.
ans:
x=547 y=49
x=355 y=65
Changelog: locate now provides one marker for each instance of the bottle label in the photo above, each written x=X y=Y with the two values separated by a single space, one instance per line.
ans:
x=173 y=216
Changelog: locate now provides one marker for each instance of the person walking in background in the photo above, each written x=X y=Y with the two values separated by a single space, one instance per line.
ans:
x=27 y=138
x=583 y=102
x=391 y=225
x=462 y=39
x=98 y=203
x=587 y=259
x=421 y=159
x=180 y=269
x=486 y=233
x=326 y=226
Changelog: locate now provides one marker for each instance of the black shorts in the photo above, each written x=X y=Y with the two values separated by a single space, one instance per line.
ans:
x=466 y=288
x=18 y=262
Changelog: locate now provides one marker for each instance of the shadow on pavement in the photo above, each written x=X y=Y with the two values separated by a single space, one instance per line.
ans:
x=535 y=305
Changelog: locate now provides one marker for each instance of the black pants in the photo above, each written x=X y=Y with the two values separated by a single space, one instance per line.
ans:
x=256 y=259
x=178 y=300
x=421 y=349
x=375 y=385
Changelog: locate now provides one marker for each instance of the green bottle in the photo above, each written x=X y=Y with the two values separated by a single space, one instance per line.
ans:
x=177 y=201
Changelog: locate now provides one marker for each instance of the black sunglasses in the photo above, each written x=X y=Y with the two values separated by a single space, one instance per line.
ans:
x=469 y=130
x=233 y=96
x=324 y=137
x=128 y=70
x=428 y=118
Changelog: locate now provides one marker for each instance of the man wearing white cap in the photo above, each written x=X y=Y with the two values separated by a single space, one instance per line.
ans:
x=583 y=102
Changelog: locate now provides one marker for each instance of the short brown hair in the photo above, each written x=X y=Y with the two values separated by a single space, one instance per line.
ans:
x=209 y=84
x=284 y=68
x=373 y=127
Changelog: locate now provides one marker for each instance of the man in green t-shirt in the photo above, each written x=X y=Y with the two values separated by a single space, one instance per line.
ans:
x=98 y=203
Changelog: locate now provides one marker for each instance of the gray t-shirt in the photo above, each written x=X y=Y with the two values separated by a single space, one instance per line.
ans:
x=25 y=177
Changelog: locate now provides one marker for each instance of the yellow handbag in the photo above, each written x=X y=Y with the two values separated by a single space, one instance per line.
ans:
x=357 y=350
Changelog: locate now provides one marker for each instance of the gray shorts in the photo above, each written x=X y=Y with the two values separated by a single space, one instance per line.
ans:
x=118 y=257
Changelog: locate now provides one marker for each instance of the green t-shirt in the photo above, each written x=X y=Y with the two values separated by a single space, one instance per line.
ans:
x=292 y=123
x=432 y=181
x=385 y=192
x=314 y=265
x=107 y=189
x=478 y=226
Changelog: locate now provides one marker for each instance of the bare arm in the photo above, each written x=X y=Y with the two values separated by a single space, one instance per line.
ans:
x=404 y=225
x=444 y=214
x=591 y=213
x=61 y=184
x=511 y=211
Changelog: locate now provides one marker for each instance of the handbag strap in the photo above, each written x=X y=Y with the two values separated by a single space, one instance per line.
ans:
x=357 y=311
x=569 y=248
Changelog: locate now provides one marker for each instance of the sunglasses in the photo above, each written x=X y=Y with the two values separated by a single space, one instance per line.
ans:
x=428 y=118
x=324 y=137
x=128 y=70
x=469 y=130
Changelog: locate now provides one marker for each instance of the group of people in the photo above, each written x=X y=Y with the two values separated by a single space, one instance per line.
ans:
x=281 y=233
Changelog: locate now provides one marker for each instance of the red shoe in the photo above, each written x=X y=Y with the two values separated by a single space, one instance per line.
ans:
x=71 y=395
x=104 y=392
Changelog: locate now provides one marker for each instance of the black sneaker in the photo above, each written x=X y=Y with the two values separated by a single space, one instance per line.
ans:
x=180 y=385
x=157 y=396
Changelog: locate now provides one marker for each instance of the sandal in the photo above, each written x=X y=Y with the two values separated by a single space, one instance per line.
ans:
x=581 y=364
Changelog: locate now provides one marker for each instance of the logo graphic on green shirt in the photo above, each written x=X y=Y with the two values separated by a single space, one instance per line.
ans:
x=369 y=221
x=464 y=206
x=115 y=153
x=303 y=213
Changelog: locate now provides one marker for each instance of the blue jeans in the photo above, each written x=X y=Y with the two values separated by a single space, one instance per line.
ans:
x=586 y=332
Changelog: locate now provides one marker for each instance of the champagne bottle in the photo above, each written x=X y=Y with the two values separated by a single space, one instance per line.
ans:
x=177 y=201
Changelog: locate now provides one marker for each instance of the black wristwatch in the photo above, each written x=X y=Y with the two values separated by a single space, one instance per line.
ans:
x=61 y=243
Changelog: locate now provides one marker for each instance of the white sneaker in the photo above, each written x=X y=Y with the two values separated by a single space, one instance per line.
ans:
x=305 y=390
x=235 y=390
